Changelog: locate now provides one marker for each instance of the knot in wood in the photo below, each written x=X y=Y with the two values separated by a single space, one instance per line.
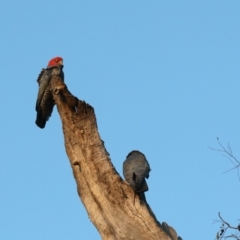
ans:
x=56 y=91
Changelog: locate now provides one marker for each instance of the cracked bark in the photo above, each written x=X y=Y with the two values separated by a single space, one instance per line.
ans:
x=108 y=199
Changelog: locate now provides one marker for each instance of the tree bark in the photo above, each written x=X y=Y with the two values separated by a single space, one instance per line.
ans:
x=108 y=199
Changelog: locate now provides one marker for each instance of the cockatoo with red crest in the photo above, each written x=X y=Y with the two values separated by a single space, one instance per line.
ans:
x=45 y=102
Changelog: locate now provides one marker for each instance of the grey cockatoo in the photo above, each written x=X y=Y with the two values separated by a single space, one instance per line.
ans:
x=135 y=169
x=45 y=102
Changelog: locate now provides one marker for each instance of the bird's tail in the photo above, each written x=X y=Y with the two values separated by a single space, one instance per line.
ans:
x=40 y=120
x=144 y=187
x=142 y=197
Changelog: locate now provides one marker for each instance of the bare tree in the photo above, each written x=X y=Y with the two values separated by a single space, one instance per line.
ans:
x=108 y=199
x=222 y=233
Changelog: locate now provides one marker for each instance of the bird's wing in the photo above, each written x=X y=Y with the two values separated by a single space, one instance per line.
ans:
x=43 y=81
x=40 y=75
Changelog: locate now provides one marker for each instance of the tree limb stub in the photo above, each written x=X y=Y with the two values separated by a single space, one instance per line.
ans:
x=107 y=198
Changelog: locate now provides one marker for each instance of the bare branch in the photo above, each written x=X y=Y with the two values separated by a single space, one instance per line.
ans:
x=231 y=160
x=221 y=234
x=231 y=169
x=228 y=153
x=219 y=215
x=223 y=229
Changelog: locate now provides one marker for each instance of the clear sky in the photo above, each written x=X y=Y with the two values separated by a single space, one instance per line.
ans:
x=163 y=78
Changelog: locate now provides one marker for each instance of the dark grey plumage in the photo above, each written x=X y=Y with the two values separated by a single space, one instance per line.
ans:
x=45 y=102
x=135 y=169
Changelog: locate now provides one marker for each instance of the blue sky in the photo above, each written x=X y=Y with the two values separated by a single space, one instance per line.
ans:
x=163 y=78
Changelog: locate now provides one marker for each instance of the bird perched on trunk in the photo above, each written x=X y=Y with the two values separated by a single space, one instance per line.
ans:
x=45 y=102
x=135 y=169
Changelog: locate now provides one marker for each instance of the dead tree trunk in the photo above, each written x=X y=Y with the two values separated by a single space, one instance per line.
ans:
x=108 y=199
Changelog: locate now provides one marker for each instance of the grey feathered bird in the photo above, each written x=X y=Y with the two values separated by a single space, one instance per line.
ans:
x=135 y=169
x=45 y=102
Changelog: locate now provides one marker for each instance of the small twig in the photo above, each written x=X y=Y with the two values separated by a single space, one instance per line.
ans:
x=230 y=160
x=231 y=169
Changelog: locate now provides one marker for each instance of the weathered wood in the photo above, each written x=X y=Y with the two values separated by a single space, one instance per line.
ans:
x=108 y=199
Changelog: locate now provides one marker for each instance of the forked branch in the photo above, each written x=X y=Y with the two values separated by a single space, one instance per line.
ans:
x=221 y=234
x=227 y=153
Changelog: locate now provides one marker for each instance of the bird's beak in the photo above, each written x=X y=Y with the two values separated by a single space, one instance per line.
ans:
x=61 y=62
